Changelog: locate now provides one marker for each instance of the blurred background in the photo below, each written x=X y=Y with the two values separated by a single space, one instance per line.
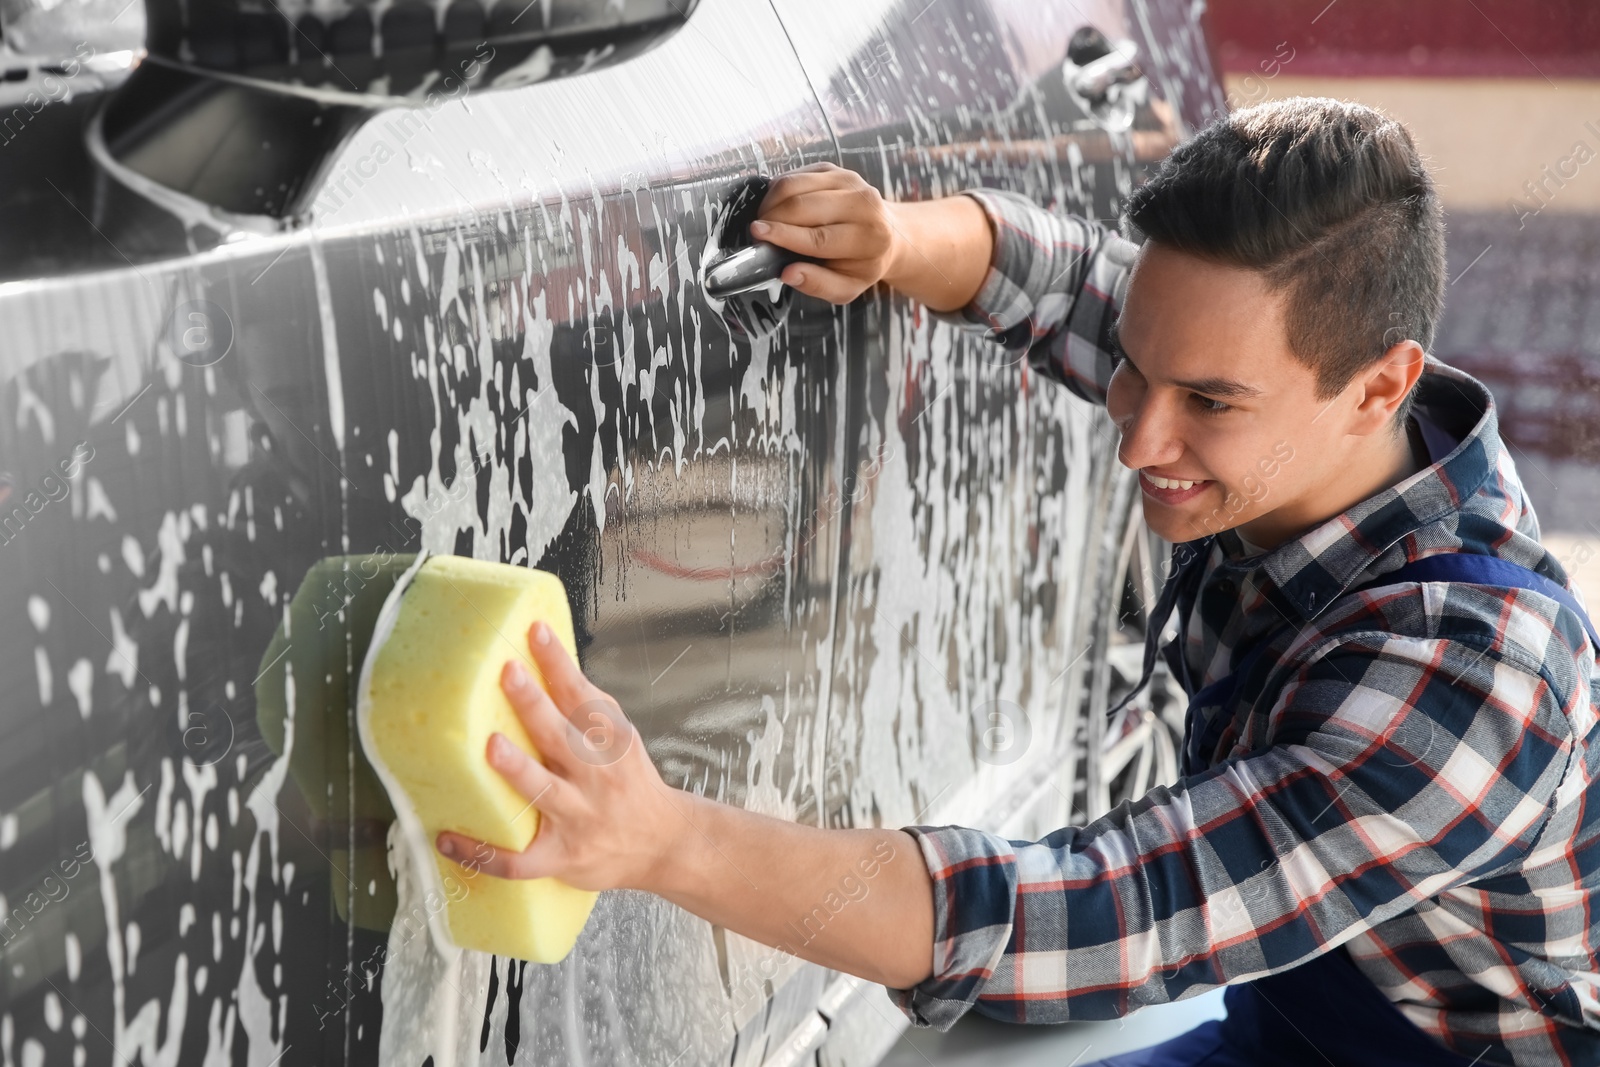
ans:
x=1503 y=99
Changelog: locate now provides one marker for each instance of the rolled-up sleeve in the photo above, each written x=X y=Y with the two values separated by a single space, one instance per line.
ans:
x=974 y=894
x=1396 y=774
x=1054 y=288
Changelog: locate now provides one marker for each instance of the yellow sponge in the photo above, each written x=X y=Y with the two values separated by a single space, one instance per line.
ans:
x=431 y=697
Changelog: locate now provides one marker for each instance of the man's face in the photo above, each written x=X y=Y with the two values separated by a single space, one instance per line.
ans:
x=1210 y=392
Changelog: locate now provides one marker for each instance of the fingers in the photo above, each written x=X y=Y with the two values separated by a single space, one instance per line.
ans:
x=824 y=206
x=543 y=788
x=566 y=683
x=831 y=215
x=843 y=222
x=838 y=240
x=813 y=279
x=810 y=178
x=575 y=721
x=479 y=857
x=548 y=729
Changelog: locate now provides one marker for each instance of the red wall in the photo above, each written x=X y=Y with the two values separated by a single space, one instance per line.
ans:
x=1454 y=38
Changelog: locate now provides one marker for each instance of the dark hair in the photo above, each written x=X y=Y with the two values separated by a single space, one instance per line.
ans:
x=1325 y=197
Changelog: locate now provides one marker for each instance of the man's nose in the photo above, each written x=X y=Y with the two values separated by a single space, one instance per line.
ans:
x=1147 y=435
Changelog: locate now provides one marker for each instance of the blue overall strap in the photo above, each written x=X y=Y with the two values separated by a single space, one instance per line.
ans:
x=1201 y=738
x=1183 y=573
x=1487 y=570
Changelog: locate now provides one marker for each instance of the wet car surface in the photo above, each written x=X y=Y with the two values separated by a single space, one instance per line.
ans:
x=820 y=554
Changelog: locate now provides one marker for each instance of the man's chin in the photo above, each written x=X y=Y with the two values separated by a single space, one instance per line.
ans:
x=1167 y=525
x=1180 y=524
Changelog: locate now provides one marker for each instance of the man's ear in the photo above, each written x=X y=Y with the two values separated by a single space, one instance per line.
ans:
x=1386 y=383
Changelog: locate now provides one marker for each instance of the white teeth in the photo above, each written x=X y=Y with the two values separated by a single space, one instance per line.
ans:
x=1170 y=483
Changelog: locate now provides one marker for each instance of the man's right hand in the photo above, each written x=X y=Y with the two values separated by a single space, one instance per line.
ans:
x=936 y=252
x=834 y=215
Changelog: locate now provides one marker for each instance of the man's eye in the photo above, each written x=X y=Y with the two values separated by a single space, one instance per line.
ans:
x=1209 y=406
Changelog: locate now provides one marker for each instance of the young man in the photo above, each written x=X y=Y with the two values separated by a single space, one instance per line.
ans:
x=1384 y=839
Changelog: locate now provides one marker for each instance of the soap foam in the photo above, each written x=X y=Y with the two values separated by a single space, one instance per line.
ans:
x=432 y=989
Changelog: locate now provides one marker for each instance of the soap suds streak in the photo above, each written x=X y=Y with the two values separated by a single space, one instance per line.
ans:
x=432 y=990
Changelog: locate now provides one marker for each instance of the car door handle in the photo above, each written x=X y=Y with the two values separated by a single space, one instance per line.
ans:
x=1119 y=66
x=748 y=269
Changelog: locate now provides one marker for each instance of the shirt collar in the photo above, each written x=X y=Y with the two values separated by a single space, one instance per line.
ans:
x=1311 y=571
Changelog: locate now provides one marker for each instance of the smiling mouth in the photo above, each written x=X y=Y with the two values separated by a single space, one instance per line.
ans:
x=1173 y=483
x=1171 y=490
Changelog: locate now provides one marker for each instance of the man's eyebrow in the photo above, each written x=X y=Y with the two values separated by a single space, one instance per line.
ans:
x=1223 y=387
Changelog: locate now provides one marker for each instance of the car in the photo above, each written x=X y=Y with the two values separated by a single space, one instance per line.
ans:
x=292 y=293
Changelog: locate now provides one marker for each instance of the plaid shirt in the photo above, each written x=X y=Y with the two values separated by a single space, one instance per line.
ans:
x=1408 y=772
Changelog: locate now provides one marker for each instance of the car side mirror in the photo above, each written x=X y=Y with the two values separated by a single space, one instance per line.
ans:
x=236 y=112
x=411 y=47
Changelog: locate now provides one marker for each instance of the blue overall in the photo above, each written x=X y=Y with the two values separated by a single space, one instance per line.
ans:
x=1324 y=1011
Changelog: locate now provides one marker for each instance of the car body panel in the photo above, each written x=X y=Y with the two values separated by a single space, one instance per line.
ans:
x=807 y=562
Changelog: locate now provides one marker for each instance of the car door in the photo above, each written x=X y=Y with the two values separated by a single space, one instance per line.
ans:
x=671 y=469
x=993 y=564
x=487 y=338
